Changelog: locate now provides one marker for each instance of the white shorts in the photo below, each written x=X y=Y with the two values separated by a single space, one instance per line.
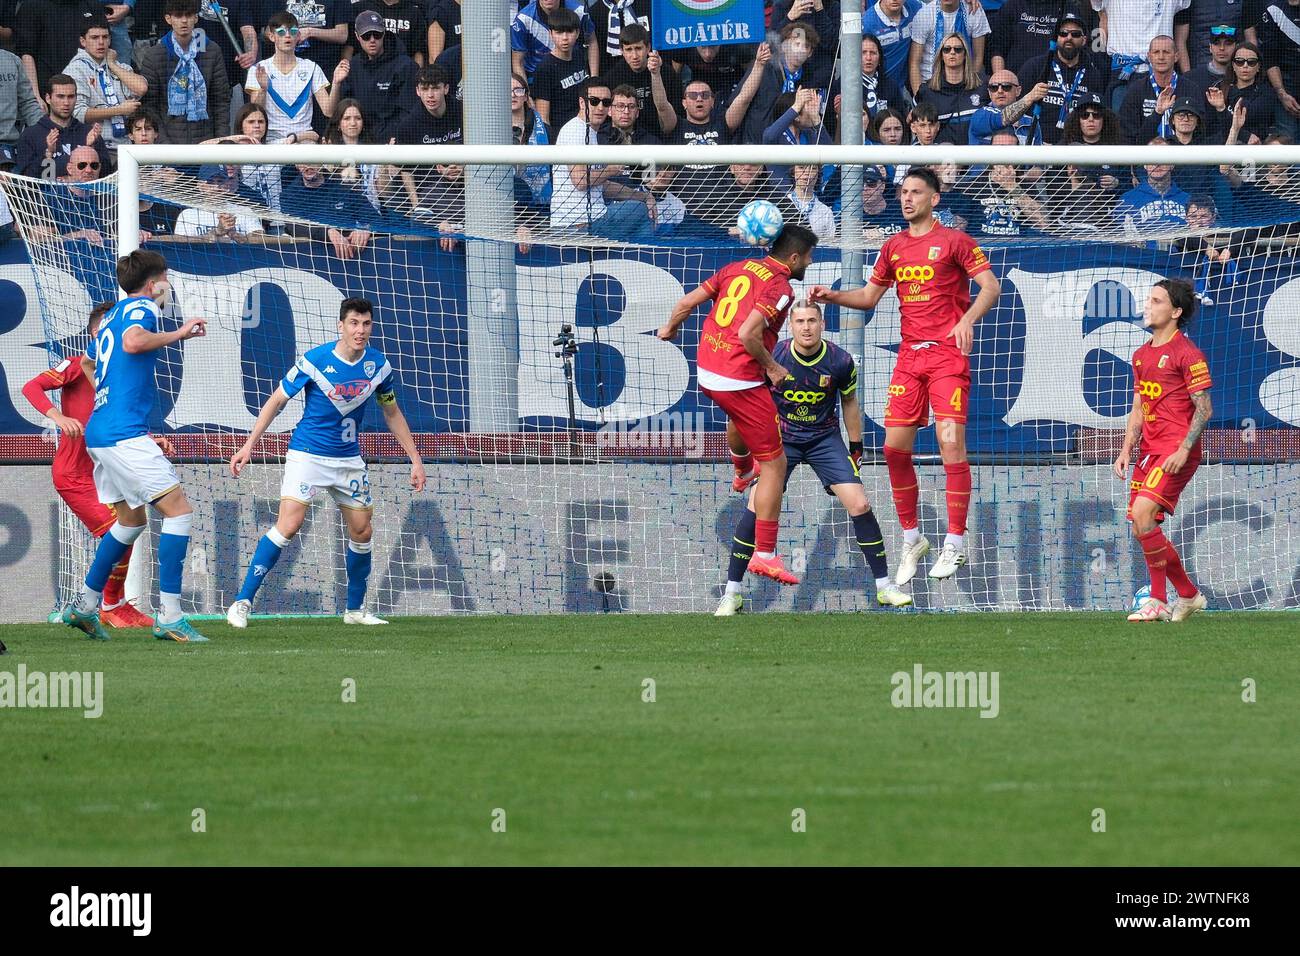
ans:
x=346 y=479
x=134 y=470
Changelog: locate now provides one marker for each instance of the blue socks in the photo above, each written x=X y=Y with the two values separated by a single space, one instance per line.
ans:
x=172 y=545
x=742 y=549
x=866 y=531
x=358 y=563
x=269 y=548
x=111 y=549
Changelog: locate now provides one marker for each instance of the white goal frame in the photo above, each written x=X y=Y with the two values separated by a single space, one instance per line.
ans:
x=131 y=158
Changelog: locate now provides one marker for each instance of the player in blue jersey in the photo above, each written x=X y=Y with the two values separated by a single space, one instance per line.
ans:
x=131 y=471
x=336 y=379
x=819 y=372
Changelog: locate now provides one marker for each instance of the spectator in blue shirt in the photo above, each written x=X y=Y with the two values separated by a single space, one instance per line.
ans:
x=890 y=21
x=1158 y=202
x=1008 y=111
x=530 y=36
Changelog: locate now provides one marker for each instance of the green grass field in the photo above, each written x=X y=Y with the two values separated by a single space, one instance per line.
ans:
x=753 y=717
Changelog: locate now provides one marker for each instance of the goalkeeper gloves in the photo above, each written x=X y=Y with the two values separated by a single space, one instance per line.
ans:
x=855 y=456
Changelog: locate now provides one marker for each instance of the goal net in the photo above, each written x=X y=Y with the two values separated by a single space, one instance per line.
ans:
x=574 y=464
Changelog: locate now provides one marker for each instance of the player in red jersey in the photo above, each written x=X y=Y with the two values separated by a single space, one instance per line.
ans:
x=932 y=266
x=1171 y=406
x=736 y=371
x=73 y=470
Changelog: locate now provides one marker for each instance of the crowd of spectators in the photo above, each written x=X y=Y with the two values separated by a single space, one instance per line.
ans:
x=78 y=78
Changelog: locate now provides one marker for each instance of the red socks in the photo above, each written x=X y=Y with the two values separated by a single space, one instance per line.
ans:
x=902 y=481
x=743 y=464
x=1156 y=551
x=958 y=492
x=115 y=587
x=1164 y=563
x=765 y=536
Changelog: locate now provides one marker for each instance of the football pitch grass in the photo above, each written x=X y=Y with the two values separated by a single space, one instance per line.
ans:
x=753 y=718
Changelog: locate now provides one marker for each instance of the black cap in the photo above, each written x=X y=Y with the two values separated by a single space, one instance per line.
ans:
x=1072 y=17
x=369 y=22
x=1188 y=104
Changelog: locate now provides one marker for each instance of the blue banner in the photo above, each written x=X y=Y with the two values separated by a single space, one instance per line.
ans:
x=1050 y=362
x=684 y=23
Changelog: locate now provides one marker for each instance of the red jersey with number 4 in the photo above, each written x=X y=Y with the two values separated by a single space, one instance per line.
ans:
x=77 y=401
x=737 y=290
x=1166 y=378
x=933 y=274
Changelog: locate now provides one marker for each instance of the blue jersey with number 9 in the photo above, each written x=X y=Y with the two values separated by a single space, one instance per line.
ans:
x=335 y=396
x=125 y=390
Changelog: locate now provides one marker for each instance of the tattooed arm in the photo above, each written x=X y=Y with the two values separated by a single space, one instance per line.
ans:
x=1204 y=408
x=1013 y=111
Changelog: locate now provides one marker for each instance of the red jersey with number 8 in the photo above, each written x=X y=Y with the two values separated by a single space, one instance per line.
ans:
x=737 y=290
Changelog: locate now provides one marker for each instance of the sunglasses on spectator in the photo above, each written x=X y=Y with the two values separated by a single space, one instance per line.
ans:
x=1003 y=86
x=1243 y=61
x=1091 y=114
x=372 y=35
x=1223 y=31
x=600 y=100
x=518 y=90
x=286 y=31
x=1073 y=34
x=88 y=165
x=700 y=95
x=954 y=49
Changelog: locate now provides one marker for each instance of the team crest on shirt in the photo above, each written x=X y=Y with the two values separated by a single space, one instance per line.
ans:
x=934 y=253
x=369 y=369
x=1163 y=360
x=824 y=381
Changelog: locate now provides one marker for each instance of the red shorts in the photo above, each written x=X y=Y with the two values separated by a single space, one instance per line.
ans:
x=80 y=495
x=1152 y=481
x=937 y=374
x=754 y=414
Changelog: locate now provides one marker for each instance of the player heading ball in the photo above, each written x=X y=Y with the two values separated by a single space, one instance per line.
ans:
x=931 y=267
x=737 y=372
x=823 y=380
x=336 y=379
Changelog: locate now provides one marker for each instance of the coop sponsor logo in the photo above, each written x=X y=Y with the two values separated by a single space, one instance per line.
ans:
x=78 y=909
x=72 y=690
x=914 y=273
x=948 y=689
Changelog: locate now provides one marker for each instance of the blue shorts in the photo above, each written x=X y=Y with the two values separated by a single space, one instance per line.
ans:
x=828 y=457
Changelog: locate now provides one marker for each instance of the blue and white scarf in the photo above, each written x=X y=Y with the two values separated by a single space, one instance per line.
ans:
x=941 y=33
x=187 y=90
x=538 y=178
x=108 y=90
x=620 y=15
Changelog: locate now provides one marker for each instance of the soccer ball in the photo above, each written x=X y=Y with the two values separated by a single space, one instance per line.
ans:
x=760 y=222
x=1141 y=596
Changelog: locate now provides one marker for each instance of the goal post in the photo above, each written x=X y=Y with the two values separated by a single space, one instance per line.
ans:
x=593 y=476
